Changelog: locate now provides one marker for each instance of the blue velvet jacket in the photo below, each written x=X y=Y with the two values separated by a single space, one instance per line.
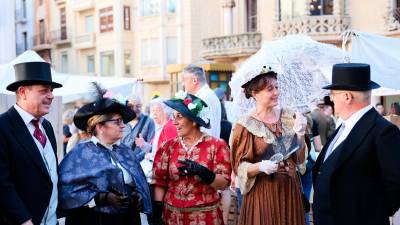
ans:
x=87 y=170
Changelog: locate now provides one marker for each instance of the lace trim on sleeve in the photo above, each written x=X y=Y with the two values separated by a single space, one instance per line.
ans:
x=245 y=183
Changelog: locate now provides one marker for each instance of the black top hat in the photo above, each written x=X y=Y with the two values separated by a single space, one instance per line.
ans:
x=182 y=106
x=352 y=77
x=29 y=73
x=100 y=107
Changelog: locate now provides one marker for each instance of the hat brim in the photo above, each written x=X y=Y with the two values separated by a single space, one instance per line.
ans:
x=258 y=77
x=180 y=107
x=371 y=85
x=14 y=86
x=87 y=111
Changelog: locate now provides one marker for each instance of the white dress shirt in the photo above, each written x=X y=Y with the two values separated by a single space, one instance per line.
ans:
x=49 y=159
x=349 y=125
x=213 y=111
x=127 y=177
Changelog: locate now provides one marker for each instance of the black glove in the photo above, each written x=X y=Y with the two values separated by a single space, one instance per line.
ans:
x=158 y=208
x=112 y=199
x=137 y=201
x=193 y=168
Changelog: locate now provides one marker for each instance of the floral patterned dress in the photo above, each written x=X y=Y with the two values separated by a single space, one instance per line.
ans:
x=188 y=200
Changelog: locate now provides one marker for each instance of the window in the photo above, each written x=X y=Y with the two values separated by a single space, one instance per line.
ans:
x=63 y=24
x=171 y=6
x=171 y=50
x=89 y=24
x=127 y=18
x=106 y=19
x=90 y=64
x=25 y=40
x=321 y=7
x=41 y=32
x=291 y=9
x=107 y=63
x=127 y=63
x=149 y=52
x=251 y=9
x=24 y=8
x=150 y=7
x=220 y=79
x=64 y=62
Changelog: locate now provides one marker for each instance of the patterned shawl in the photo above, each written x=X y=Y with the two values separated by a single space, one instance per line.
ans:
x=87 y=170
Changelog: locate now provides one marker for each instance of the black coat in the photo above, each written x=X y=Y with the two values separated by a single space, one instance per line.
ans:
x=359 y=183
x=25 y=184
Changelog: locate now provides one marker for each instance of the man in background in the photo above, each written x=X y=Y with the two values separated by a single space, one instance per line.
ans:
x=380 y=109
x=195 y=83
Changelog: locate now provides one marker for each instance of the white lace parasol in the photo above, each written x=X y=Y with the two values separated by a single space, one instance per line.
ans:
x=303 y=67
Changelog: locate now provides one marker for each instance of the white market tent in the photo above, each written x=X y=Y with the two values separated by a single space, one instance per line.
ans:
x=75 y=87
x=383 y=54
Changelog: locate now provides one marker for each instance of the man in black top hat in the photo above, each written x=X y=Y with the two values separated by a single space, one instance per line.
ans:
x=28 y=159
x=357 y=174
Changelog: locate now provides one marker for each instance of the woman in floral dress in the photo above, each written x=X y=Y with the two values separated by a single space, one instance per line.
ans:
x=189 y=169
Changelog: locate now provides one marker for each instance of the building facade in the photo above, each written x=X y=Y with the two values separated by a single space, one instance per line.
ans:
x=7 y=28
x=41 y=38
x=251 y=22
x=23 y=25
x=130 y=38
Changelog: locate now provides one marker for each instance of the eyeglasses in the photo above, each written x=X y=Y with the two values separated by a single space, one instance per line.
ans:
x=117 y=122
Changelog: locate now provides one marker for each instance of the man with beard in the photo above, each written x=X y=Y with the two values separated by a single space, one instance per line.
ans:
x=28 y=159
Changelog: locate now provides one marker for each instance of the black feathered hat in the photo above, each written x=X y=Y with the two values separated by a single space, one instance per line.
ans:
x=101 y=106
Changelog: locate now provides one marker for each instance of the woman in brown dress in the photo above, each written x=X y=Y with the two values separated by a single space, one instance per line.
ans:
x=271 y=191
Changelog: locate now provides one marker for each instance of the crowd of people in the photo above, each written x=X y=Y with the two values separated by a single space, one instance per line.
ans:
x=180 y=162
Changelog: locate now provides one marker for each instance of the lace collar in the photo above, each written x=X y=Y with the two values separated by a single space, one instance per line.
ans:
x=259 y=129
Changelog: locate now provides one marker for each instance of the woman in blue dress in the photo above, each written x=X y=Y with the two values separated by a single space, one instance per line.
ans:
x=101 y=181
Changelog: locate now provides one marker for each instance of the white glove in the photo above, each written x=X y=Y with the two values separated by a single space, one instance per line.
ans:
x=300 y=124
x=268 y=167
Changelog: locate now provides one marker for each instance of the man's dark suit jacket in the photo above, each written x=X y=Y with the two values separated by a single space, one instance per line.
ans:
x=25 y=184
x=359 y=183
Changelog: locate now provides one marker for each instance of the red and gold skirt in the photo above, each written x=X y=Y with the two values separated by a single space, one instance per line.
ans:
x=204 y=215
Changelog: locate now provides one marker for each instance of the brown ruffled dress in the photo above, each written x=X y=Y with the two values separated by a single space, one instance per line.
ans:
x=267 y=199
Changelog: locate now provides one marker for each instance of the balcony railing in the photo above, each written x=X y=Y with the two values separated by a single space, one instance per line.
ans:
x=85 y=41
x=41 y=41
x=231 y=46
x=327 y=27
x=61 y=36
x=80 y=5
